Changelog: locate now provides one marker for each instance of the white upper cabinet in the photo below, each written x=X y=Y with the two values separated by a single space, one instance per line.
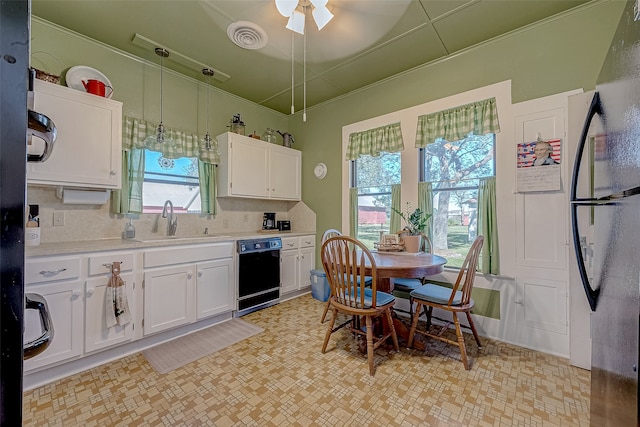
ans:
x=252 y=168
x=88 y=149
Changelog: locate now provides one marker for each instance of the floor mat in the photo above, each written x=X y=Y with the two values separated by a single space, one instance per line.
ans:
x=176 y=353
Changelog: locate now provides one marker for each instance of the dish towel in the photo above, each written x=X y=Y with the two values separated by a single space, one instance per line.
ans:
x=116 y=306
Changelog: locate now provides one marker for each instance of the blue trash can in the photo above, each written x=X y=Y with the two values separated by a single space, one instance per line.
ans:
x=320 y=289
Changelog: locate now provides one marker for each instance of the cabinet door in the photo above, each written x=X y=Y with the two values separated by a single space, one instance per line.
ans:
x=289 y=271
x=169 y=298
x=64 y=300
x=307 y=263
x=285 y=171
x=87 y=151
x=97 y=335
x=214 y=288
x=249 y=168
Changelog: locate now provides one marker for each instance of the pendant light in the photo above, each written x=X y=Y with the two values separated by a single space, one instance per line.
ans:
x=209 y=143
x=160 y=140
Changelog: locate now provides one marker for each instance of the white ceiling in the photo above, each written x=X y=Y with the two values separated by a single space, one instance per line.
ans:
x=368 y=40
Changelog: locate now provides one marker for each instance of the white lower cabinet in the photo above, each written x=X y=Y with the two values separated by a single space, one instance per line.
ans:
x=97 y=336
x=168 y=298
x=297 y=259
x=188 y=283
x=64 y=300
x=214 y=288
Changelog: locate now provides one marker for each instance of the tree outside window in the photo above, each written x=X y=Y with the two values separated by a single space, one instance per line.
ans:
x=454 y=169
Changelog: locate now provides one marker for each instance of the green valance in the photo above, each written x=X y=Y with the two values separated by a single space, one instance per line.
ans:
x=187 y=144
x=372 y=142
x=456 y=123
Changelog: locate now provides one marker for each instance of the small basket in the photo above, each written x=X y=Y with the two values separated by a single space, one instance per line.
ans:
x=44 y=75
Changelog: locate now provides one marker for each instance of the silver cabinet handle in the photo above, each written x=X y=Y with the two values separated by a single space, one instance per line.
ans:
x=49 y=273
x=109 y=264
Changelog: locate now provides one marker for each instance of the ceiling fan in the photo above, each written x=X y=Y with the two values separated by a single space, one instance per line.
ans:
x=289 y=8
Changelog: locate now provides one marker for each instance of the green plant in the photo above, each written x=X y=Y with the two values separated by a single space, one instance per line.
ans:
x=415 y=222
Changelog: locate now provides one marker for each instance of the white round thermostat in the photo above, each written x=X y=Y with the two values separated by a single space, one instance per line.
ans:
x=320 y=171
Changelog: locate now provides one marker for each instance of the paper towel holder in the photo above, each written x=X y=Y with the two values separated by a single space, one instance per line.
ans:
x=82 y=196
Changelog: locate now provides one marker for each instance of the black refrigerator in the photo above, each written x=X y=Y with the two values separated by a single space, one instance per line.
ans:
x=605 y=213
x=14 y=63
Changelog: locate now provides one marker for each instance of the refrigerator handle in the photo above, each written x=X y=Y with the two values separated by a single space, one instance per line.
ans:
x=592 y=294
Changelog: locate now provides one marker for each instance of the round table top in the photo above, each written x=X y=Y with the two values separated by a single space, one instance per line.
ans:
x=402 y=264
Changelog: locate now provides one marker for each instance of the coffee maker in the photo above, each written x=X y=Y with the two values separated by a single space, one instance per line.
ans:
x=269 y=221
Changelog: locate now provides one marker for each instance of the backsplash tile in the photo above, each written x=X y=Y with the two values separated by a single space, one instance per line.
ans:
x=90 y=222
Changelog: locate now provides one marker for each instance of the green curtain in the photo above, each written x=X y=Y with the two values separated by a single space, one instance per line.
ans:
x=372 y=142
x=353 y=212
x=488 y=226
x=425 y=204
x=395 y=224
x=208 y=188
x=186 y=144
x=129 y=198
x=456 y=123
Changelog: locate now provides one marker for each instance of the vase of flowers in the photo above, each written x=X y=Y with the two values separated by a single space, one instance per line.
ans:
x=415 y=223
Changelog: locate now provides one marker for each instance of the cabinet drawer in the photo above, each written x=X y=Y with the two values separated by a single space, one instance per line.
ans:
x=289 y=243
x=180 y=255
x=101 y=264
x=307 y=241
x=50 y=269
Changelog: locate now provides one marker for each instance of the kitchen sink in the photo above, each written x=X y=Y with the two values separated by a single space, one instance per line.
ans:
x=158 y=239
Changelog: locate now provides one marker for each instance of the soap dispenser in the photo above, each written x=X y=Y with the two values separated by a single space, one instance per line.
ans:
x=129 y=230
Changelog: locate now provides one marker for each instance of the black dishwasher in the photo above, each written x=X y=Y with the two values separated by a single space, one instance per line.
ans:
x=258 y=274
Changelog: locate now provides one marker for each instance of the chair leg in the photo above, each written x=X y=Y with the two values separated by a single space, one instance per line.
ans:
x=463 y=349
x=428 y=311
x=369 y=324
x=414 y=325
x=473 y=329
x=411 y=309
x=334 y=314
x=326 y=309
x=392 y=330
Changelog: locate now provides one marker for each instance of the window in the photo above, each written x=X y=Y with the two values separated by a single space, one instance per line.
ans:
x=374 y=177
x=454 y=169
x=170 y=179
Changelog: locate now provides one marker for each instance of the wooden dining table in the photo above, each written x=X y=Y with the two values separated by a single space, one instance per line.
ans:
x=390 y=265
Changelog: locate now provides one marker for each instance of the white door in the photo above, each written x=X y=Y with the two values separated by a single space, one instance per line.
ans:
x=579 y=310
x=285 y=173
x=541 y=239
x=168 y=298
x=97 y=336
x=249 y=168
x=307 y=263
x=64 y=300
x=288 y=271
x=214 y=288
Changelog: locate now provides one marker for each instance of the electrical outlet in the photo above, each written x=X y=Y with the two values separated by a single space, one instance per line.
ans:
x=246 y=217
x=58 y=219
x=225 y=223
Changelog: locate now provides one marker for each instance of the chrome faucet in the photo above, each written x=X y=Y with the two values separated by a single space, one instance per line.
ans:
x=172 y=223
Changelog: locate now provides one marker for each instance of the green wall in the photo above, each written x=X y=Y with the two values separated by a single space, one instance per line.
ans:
x=559 y=55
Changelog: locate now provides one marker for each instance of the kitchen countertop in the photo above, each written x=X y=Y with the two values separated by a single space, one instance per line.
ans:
x=117 y=244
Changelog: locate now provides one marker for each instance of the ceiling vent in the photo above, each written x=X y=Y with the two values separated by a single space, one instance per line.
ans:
x=247 y=35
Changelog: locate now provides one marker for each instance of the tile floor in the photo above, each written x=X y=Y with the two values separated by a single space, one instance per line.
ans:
x=280 y=378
